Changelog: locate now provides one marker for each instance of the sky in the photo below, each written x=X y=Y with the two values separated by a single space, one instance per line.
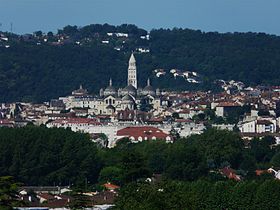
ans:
x=27 y=16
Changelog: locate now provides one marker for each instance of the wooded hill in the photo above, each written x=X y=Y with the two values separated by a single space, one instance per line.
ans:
x=42 y=66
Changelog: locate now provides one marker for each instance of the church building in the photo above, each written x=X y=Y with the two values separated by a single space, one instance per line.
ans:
x=112 y=100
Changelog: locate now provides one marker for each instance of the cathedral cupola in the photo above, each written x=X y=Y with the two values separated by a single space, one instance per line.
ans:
x=148 y=90
x=110 y=90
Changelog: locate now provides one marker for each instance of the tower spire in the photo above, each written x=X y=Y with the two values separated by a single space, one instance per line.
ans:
x=148 y=82
x=132 y=72
x=110 y=82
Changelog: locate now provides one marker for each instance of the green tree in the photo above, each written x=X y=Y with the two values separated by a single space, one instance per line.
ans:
x=111 y=174
x=267 y=195
x=134 y=167
x=8 y=193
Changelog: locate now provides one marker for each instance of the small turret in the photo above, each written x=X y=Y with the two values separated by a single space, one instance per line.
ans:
x=148 y=90
x=110 y=90
x=80 y=92
x=101 y=92
x=158 y=92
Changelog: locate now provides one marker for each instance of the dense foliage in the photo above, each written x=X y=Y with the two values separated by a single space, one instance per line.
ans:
x=201 y=194
x=45 y=71
x=41 y=156
x=8 y=193
x=186 y=172
x=37 y=155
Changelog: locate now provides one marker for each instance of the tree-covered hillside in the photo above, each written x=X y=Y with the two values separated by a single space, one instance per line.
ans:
x=42 y=66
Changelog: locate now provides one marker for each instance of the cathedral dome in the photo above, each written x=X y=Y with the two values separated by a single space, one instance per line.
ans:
x=128 y=102
x=148 y=90
x=127 y=98
x=110 y=90
x=129 y=90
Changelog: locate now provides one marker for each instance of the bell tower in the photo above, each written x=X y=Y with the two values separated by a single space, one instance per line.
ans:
x=132 y=72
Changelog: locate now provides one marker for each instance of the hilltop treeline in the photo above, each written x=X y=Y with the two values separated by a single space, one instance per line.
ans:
x=43 y=70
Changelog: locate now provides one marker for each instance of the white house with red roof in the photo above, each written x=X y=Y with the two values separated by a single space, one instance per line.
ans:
x=142 y=133
x=76 y=124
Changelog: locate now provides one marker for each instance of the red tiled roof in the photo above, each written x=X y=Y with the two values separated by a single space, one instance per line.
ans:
x=146 y=132
x=227 y=104
x=230 y=173
x=110 y=186
x=264 y=122
x=185 y=111
x=5 y=122
x=46 y=196
x=77 y=121
x=260 y=172
x=154 y=119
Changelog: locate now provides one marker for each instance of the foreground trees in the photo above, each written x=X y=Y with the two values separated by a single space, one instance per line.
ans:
x=8 y=193
x=41 y=156
x=202 y=194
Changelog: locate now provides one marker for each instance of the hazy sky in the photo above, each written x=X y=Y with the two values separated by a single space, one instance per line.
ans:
x=28 y=16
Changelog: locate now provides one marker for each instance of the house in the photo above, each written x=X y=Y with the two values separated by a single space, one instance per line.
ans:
x=103 y=198
x=54 y=190
x=259 y=125
x=110 y=186
x=141 y=133
x=45 y=197
x=184 y=114
x=6 y=123
x=76 y=124
x=224 y=108
x=230 y=173
x=265 y=126
x=261 y=172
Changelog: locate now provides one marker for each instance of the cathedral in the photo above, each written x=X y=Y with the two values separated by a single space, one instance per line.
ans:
x=131 y=97
x=112 y=100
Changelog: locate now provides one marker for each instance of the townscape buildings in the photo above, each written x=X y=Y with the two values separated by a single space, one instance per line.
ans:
x=148 y=113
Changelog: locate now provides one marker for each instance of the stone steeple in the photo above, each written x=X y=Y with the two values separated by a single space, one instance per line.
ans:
x=148 y=82
x=132 y=72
